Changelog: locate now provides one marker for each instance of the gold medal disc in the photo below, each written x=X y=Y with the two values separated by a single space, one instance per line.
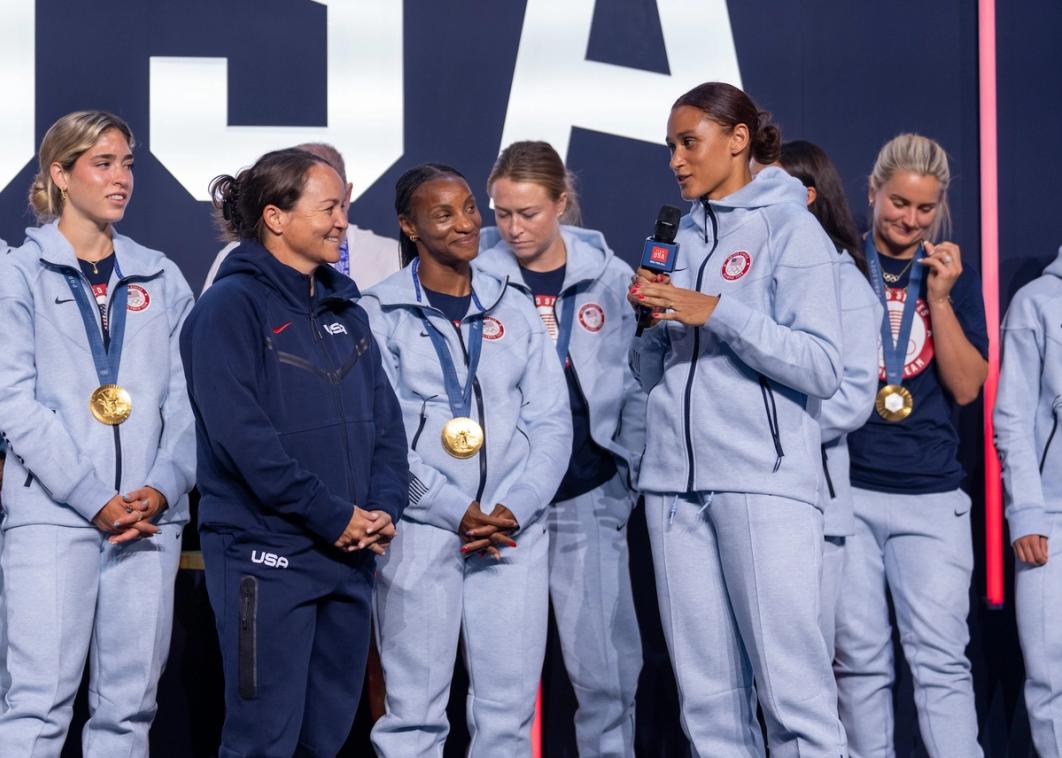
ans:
x=894 y=402
x=110 y=404
x=462 y=437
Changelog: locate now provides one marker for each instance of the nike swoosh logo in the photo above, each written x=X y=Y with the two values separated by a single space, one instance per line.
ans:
x=60 y=302
x=282 y=327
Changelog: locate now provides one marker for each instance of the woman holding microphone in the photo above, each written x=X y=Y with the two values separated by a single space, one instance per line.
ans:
x=101 y=452
x=486 y=417
x=912 y=538
x=579 y=289
x=741 y=345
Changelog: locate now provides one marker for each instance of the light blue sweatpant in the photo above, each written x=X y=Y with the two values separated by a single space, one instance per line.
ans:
x=918 y=548
x=590 y=586
x=69 y=595
x=428 y=596
x=833 y=582
x=1038 y=602
x=738 y=581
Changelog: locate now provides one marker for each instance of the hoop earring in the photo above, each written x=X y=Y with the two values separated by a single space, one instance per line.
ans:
x=62 y=194
x=414 y=237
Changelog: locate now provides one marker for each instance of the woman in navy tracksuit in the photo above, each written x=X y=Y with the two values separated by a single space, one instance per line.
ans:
x=579 y=288
x=912 y=520
x=742 y=346
x=486 y=414
x=848 y=408
x=302 y=460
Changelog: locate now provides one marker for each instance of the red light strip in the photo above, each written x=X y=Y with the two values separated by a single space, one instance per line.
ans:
x=990 y=290
x=536 y=726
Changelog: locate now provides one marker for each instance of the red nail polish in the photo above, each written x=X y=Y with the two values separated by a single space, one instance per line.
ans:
x=641 y=297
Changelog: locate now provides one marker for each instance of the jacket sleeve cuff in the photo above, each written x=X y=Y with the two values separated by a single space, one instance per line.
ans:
x=163 y=479
x=1026 y=521
x=525 y=503
x=729 y=318
x=328 y=516
x=447 y=509
x=89 y=496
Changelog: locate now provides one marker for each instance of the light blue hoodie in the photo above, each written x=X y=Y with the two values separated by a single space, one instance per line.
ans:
x=63 y=465
x=521 y=401
x=598 y=351
x=734 y=404
x=1029 y=405
x=852 y=404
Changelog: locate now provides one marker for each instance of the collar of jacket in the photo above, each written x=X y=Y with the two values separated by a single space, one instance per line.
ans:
x=588 y=256
x=398 y=290
x=292 y=286
x=56 y=252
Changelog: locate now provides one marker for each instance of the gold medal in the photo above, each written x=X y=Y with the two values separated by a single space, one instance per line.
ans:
x=894 y=402
x=110 y=404
x=462 y=437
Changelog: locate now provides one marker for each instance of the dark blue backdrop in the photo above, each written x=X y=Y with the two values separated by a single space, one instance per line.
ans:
x=845 y=75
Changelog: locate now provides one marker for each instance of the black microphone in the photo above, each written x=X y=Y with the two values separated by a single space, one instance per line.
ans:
x=660 y=252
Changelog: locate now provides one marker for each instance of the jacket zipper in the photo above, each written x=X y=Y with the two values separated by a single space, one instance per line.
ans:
x=337 y=396
x=420 y=426
x=826 y=473
x=482 y=420
x=709 y=214
x=117 y=427
x=1050 y=437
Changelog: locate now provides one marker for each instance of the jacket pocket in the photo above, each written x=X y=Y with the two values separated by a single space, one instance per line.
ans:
x=248 y=638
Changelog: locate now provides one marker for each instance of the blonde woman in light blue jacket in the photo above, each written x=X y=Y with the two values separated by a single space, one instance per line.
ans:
x=101 y=452
x=579 y=289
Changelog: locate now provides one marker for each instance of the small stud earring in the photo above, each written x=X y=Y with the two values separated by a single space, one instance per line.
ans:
x=414 y=237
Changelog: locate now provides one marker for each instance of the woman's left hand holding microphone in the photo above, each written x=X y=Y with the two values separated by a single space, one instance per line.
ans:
x=668 y=302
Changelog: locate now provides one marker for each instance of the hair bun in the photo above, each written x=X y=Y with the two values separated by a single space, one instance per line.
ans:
x=767 y=142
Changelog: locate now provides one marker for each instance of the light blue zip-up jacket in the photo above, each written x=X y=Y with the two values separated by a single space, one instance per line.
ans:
x=520 y=398
x=599 y=347
x=734 y=404
x=1029 y=405
x=852 y=404
x=62 y=464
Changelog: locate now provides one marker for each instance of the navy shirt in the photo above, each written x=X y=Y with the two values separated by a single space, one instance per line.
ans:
x=590 y=465
x=454 y=307
x=100 y=279
x=920 y=453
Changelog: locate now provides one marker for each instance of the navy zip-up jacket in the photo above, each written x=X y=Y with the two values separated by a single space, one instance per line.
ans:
x=296 y=420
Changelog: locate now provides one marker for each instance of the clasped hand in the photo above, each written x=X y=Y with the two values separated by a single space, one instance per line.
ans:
x=129 y=517
x=367 y=529
x=488 y=534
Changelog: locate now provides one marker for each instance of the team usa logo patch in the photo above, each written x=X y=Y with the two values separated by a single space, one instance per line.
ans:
x=592 y=317
x=492 y=328
x=139 y=299
x=920 y=344
x=736 y=265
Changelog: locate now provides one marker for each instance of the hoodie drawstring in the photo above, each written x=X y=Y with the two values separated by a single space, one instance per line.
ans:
x=706 y=502
x=772 y=420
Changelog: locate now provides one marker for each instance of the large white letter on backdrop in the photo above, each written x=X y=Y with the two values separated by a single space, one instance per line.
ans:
x=190 y=133
x=17 y=73
x=555 y=87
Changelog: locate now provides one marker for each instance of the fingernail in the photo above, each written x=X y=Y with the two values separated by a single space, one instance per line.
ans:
x=641 y=297
x=115 y=525
x=127 y=498
x=464 y=549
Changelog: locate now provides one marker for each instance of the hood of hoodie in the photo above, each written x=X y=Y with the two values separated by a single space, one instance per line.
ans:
x=250 y=258
x=771 y=186
x=56 y=251
x=588 y=256
x=1054 y=268
x=399 y=291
